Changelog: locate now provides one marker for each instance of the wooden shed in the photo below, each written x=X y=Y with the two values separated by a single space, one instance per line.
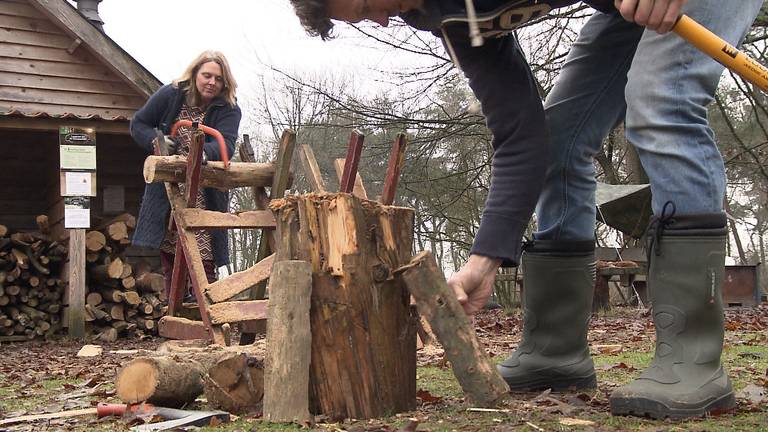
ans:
x=59 y=69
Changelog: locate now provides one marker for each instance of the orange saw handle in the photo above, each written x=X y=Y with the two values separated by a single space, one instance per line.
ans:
x=720 y=50
x=117 y=409
x=208 y=131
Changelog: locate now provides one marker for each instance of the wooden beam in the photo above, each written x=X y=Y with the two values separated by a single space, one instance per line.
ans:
x=76 y=287
x=311 y=169
x=354 y=151
x=236 y=283
x=359 y=189
x=102 y=47
x=237 y=311
x=437 y=302
x=239 y=174
x=280 y=182
x=394 y=166
x=195 y=218
x=181 y=328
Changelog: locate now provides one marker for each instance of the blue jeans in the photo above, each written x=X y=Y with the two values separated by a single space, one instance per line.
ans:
x=661 y=86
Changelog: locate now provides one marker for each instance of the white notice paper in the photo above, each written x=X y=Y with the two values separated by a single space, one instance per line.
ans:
x=77 y=218
x=78 y=183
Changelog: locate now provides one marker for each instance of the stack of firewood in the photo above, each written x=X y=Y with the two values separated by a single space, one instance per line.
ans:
x=121 y=299
x=31 y=287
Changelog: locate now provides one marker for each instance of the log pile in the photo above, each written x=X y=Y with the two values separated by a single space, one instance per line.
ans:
x=31 y=288
x=121 y=300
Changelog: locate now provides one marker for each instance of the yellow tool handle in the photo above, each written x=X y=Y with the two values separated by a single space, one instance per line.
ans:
x=720 y=50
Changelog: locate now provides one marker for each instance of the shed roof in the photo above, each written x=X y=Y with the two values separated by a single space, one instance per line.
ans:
x=54 y=63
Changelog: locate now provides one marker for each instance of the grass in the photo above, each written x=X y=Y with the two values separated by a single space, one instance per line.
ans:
x=745 y=356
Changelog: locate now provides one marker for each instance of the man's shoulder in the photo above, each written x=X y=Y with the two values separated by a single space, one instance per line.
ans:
x=494 y=17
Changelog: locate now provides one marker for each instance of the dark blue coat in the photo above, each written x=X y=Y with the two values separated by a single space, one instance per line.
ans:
x=161 y=111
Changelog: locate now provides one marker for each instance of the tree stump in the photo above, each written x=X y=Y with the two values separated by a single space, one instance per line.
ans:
x=363 y=328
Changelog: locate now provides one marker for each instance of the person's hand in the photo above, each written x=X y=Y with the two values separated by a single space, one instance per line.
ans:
x=173 y=145
x=658 y=15
x=169 y=143
x=473 y=284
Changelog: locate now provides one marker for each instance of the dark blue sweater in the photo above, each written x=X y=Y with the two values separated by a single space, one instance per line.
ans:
x=503 y=83
x=161 y=111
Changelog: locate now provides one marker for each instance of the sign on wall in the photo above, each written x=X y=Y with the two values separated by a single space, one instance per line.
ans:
x=77 y=162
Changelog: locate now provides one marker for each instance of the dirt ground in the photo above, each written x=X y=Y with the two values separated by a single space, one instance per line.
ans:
x=39 y=377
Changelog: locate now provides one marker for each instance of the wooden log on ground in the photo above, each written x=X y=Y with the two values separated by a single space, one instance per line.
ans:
x=235 y=383
x=163 y=381
x=437 y=302
x=363 y=331
x=177 y=377
x=289 y=339
x=240 y=174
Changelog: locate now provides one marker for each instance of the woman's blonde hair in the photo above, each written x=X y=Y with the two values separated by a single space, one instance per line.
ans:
x=186 y=82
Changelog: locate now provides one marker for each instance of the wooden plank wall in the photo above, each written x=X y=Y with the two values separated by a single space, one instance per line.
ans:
x=29 y=174
x=44 y=70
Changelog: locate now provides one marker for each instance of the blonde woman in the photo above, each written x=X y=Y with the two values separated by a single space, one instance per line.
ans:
x=204 y=93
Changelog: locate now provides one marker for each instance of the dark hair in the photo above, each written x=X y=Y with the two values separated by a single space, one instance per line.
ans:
x=313 y=17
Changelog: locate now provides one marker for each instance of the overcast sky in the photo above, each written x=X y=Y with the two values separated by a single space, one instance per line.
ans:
x=165 y=35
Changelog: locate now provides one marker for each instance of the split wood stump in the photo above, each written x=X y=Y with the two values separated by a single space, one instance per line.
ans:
x=363 y=328
x=437 y=302
x=289 y=342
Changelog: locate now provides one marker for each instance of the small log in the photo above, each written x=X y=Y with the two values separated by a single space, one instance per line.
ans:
x=127 y=271
x=163 y=381
x=116 y=311
x=111 y=270
x=150 y=282
x=171 y=380
x=107 y=334
x=286 y=383
x=145 y=324
x=151 y=300
x=3 y=230
x=235 y=383
x=128 y=219
x=43 y=225
x=437 y=302
x=131 y=297
x=128 y=283
x=97 y=313
x=94 y=241
x=93 y=298
x=117 y=231
x=112 y=295
x=239 y=174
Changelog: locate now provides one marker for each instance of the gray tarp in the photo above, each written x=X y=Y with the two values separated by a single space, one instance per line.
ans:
x=626 y=208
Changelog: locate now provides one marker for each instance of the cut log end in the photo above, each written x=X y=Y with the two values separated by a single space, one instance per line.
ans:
x=137 y=381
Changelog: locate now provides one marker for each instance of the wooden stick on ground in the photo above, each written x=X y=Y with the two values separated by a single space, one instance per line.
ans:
x=437 y=303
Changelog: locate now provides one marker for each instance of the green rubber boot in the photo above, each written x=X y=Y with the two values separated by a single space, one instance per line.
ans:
x=559 y=280
x=686 y=378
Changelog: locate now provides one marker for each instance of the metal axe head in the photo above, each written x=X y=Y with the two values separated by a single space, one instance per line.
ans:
x=190 y=418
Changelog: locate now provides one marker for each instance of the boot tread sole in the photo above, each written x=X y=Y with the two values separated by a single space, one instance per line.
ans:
x=644 y=407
